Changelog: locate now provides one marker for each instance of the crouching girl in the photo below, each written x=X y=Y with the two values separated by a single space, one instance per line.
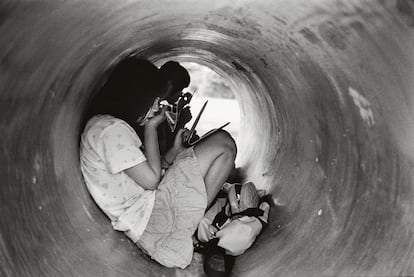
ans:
x=156 y=201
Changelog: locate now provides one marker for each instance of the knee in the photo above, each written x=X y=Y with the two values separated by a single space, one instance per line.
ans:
x=216 y=145
x=226 y=142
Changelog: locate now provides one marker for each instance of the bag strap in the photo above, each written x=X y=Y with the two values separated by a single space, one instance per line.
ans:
x=220 y=218
x=216 y=262
x=256 y=212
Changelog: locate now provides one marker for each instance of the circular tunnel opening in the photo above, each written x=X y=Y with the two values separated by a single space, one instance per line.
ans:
x=254 y=92
x=207 y=85
x=244 y=88
x=326 y=116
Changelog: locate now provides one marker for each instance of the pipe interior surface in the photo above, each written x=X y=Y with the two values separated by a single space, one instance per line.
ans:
x=326 y=95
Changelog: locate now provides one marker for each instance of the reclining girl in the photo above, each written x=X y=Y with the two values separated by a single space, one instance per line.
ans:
x=158 y=211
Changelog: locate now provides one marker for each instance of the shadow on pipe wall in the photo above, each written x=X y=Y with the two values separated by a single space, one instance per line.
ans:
x=326 y=95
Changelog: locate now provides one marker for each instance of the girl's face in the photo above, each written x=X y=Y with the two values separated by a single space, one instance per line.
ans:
x=172 y=94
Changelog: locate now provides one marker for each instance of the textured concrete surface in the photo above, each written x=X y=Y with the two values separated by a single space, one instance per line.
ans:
x=326 y=92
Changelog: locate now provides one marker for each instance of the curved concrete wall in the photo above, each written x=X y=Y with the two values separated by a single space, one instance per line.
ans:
x=326 y=89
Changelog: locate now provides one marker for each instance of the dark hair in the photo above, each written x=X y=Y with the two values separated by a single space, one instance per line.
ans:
x=175 y=72
x=130 y=90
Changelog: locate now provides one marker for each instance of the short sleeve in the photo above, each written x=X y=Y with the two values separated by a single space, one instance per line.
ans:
x=121 y=147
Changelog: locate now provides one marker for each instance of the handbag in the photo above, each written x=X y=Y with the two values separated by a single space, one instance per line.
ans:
x=228 y=229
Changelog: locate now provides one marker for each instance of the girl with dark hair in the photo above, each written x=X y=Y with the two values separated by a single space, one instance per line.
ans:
x=158 y=201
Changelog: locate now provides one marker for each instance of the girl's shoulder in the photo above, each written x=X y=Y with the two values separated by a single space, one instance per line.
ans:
x=103 y=121
x=100 y=124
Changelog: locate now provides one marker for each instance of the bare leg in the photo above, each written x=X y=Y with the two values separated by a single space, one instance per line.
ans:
x=216 y=156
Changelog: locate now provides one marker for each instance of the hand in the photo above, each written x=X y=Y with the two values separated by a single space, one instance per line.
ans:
x=156 y=105
x=157 y=119
x=181 y=136
x=155 y=108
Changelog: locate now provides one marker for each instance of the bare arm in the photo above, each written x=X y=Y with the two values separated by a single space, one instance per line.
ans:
x=152 y=149
x=148 y=174
x=178 y=146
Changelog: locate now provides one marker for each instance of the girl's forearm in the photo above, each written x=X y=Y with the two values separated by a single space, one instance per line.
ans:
x=152 y=150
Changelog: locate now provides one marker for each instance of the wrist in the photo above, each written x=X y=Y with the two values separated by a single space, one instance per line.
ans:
x=167 y=162
x=151 y=125
x=173 y=153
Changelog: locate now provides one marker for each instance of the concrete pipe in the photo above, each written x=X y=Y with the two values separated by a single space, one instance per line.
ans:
x=326 y=94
